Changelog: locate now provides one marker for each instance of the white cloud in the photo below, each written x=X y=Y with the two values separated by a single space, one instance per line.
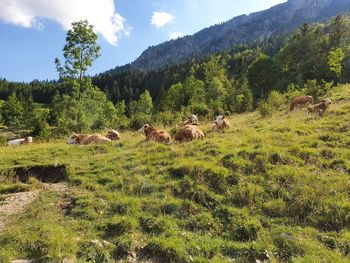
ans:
x=160 y=19
x=101 y=13
x=175 y=35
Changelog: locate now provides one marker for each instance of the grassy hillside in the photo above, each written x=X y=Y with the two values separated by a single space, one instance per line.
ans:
x=272 y=189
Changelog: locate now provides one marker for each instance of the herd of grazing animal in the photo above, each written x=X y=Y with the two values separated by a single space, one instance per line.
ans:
x=188 y=131
x=308 y=101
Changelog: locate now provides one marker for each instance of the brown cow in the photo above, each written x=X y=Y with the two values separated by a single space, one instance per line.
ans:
x=189 y=132
x=113 y=135
x=85 y=139
x=155 y=134
x=221 y=123
x=301 y=101
x=320 y=107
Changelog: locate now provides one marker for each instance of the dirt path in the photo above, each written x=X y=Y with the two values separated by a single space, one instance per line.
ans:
x=13 y=204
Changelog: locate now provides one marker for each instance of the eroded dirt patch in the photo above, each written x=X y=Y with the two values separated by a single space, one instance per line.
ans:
x=13 y=204
x=43 y=173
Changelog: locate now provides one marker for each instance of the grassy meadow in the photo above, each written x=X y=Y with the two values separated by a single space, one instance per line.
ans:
x=269 y=189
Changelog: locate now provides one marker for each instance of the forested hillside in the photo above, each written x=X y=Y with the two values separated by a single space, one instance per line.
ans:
x=314 y=57
x=281 y=19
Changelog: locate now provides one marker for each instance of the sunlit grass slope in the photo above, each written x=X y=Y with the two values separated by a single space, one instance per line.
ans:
x=273 y=189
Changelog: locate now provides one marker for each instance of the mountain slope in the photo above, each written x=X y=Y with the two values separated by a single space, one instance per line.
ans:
x=279 y=19
x=268 y=190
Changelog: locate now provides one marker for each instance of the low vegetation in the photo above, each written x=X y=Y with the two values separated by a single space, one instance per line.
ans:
x=271 y=189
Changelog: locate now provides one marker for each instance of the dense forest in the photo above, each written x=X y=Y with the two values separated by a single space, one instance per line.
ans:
x=314 y=57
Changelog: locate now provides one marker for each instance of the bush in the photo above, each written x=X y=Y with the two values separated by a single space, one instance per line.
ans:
x=277 y=100
x=167 y=118
x=265 y=109
x=317 y=90
x=139 y=119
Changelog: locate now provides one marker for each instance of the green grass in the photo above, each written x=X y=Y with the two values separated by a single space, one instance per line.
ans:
x=275 y=188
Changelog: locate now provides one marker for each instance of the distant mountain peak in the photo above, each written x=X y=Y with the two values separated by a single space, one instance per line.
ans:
x=280 y=19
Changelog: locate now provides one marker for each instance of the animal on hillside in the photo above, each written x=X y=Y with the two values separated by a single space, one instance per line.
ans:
x=320 y=107
x=189 y=132
x=113 y=135
x=85 y=139
x=192 y=119
x=221 y=123
x=21 y=141
x=155 y=134
x=301 y=101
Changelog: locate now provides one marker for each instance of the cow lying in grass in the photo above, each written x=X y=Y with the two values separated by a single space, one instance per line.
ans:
x=85 y=139
x=221 y=123
x=113 y=135
x=192 y=119
x=301 y=101
x=320 y=107
x=22 y=141
x=155 y=134
x=189 y=132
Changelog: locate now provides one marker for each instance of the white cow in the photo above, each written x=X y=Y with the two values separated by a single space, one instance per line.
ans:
x=21 y=141
x=192 y=119
x=221 y=122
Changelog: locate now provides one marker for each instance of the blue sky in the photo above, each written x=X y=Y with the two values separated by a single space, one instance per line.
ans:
x=32 y=33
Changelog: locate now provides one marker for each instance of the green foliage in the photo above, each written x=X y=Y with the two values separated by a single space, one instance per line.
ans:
x=141 y=111
x=79 y=52
x=84 y=111
x=335 y=59
x=13 y=112
x=317 y=90
x=275 y=102
x=262 y=75
x=265 y=109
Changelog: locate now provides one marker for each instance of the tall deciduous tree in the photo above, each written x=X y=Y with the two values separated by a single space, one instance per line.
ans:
x=79 y=52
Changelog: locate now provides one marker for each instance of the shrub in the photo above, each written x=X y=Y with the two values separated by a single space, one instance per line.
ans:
x=265 y=109
x=139 y=119
x=277 y=100
x=317 y=90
